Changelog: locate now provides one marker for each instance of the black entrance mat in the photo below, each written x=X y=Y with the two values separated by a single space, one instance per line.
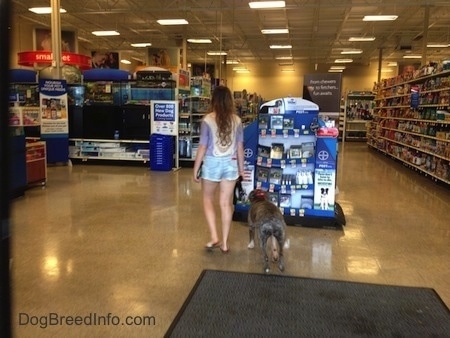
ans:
x=224 y=304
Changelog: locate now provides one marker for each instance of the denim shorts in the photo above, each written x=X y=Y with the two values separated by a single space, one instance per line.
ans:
x=219 y=168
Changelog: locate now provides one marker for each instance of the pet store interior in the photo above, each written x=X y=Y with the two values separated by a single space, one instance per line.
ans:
x=345 y=107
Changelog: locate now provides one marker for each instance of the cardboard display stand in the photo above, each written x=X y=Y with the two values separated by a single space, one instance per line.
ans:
x=295 y=161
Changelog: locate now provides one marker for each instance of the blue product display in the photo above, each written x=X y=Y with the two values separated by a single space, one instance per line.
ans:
x=161 y=152
x=295 y=162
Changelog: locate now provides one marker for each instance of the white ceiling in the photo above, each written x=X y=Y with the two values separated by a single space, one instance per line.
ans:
x=318 y=29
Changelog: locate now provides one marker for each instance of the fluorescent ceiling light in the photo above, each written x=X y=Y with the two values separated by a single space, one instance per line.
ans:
x=438 y=45
x=275 y=31
x=283 y=58
x=412 y=56
x=267 y=4
x=44 y=10
x=239 y=68
x=352 y=51
x=380 y=18
x=360 y=38
x=280 y=46
x=125 y=61
x=392 y=64
x=337 y=67
x=141 y=44
x=199 y=40
x=105 y=33
x=335 y=70
x=232 y=62
x=168 y=22
x=216 y=53
x=343 y=60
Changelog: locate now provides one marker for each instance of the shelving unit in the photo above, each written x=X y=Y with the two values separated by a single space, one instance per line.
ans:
x=116 y=150
x=357 y=116
x=412 y=124
x=296 y=163
x=192 y=110
x=24 y=120
x=36 y=160
x=341 y=122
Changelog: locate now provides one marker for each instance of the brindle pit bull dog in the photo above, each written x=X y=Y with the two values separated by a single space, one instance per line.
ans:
x=269 y=220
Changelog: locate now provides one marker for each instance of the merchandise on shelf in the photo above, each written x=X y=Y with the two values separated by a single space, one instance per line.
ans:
x=296 y=158
x=357 y=115
x=132 y=150
x=412 y=123
x=192 y=109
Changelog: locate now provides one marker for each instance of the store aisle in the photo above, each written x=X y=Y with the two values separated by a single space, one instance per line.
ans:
x=119 y=243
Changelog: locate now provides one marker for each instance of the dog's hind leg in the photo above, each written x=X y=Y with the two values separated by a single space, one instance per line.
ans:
x=274 y=247
x=280 y=236
x=264 y=238
x=251 y=234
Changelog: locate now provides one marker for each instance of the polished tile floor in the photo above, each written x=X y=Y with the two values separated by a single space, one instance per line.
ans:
x=108 y=242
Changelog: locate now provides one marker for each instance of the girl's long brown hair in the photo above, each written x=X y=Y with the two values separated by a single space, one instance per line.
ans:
x=222 y=104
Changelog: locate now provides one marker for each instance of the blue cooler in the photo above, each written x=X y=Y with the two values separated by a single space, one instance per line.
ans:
x=161 y=152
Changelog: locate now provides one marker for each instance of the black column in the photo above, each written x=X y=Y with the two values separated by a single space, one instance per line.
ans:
x=5 y=294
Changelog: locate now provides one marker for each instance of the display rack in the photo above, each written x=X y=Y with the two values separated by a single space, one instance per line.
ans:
x=412 y=123
x=296 y=163
x=24 y=120
x=36 y=160
x=341 y=122
x=358 y=114
x=115 y=150
x=192 y=110
x=113 y=121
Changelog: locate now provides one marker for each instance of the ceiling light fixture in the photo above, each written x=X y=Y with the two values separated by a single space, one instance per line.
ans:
x=267 y=4
x=438 y=45
x=380 y=17
x=125 y=61
x=352 y=51
x=275 y=31
x=216 y=53
x=44 y=10
x=392 y=64
x=280 y=46
x=343 y=60
x=337 y=67
x=236 y=69
x=141 y=44
x=335 y=70
x=170 y=22
x=283 y=57
x=199 y=40
x=361 y=38
x=411 y=56
x=232 y=62
x=105 y=33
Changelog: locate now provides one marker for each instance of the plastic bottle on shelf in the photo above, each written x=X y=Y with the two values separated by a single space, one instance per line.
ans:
x=116 y=135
